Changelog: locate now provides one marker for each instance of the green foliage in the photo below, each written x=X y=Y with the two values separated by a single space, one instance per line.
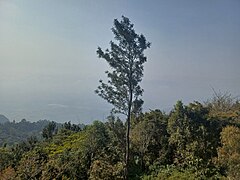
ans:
x=172 y=172
x=188 y=143
x=6 y=158
x=49 y=130
x=149 y=139
x=229 y=152
x=179 y=131
x=31 y=164
x=192 y=138
x=71 y=127
x=126 y=58
x=101 y=169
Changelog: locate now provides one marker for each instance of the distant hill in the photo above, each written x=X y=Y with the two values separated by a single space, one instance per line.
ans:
x=15 y=132
x=3 y=119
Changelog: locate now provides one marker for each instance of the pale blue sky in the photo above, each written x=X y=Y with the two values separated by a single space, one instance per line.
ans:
x=49 y=68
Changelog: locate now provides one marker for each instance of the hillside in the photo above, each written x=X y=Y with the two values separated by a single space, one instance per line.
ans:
x=15 y=132
x=3 y=119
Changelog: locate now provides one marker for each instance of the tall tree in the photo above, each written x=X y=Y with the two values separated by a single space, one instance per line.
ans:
x=126 y=58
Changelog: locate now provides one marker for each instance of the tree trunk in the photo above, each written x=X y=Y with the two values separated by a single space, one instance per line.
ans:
x=127 y=149
x=126 y=171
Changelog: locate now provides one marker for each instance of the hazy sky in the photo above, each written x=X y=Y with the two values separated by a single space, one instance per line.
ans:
x=49 y=68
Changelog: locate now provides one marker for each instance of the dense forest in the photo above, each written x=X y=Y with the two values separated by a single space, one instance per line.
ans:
x=194 y=141
x=16 y=132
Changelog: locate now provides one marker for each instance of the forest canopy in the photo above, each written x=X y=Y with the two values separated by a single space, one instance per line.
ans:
x=194 y=141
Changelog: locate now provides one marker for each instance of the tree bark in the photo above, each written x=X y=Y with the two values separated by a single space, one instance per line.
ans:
x=126 y=171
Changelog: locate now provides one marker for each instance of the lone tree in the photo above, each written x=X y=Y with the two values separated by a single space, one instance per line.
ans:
x=126 y=59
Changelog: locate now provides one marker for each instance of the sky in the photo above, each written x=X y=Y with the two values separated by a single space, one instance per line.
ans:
x=49 y=68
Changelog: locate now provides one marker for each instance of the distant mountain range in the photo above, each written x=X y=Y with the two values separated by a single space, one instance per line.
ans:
x=3 y=119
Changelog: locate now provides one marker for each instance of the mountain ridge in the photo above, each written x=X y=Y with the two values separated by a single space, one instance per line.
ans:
x=3 y=119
